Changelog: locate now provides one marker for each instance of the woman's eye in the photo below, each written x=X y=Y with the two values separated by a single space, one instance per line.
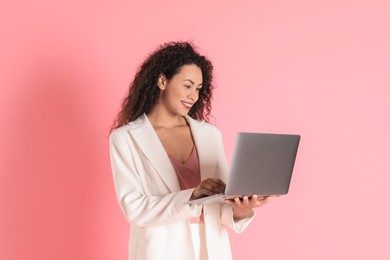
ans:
x=187 y=87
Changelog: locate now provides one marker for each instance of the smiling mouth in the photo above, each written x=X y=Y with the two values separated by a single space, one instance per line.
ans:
x=187 y=105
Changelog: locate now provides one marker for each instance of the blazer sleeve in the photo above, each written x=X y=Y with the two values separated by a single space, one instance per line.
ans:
x=227 y=210
x=140 y=209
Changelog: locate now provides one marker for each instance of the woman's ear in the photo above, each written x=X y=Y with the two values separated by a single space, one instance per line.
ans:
x=162 y=81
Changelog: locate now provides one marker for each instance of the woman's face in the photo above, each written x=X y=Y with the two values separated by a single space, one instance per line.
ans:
x=181 y=92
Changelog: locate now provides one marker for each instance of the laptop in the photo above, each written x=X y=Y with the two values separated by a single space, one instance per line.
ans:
x=262 y=164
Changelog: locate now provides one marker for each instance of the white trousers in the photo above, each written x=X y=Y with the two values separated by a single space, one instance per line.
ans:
x=199 y=240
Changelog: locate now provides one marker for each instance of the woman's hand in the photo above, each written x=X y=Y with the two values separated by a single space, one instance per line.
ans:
x=208 y=187
x=243 y=208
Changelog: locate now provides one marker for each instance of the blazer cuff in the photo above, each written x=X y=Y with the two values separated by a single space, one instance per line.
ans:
x=237 y=226
x=194 y=210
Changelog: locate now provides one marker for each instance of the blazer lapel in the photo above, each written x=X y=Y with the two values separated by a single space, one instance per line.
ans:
x=150 y=144
x=201 y=137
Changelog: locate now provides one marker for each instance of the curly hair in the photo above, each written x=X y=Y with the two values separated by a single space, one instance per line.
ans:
x=168 y=60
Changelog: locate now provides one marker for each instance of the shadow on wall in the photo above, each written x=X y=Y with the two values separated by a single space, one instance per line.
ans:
x=50 y=168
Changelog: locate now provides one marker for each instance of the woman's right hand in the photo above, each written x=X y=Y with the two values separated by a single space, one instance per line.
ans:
x=208 y=187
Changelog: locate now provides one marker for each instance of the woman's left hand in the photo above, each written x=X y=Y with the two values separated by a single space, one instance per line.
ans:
x=242 y=208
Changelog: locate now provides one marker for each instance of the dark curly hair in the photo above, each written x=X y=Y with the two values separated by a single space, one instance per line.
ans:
x=168 y=59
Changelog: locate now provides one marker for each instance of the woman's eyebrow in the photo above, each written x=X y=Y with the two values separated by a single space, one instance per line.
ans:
x=190 y=81
x=193 y=82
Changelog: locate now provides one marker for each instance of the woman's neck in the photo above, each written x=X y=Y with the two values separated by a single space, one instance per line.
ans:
x=162 y=119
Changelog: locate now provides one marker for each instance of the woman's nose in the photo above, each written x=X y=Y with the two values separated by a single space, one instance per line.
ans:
x=193 y=95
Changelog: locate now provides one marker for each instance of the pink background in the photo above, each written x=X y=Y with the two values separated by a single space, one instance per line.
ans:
x=317 y=68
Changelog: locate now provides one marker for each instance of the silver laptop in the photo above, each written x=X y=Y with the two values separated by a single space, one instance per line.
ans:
x=262 y=164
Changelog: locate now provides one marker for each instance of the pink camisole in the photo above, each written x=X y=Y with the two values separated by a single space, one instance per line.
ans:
x=188 y=173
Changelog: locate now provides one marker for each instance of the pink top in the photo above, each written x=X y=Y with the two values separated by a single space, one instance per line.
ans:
x=188 y=173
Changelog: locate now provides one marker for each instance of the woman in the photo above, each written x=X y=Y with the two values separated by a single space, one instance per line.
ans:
x=164 y=153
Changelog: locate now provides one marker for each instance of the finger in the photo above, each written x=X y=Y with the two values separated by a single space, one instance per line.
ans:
x=223 y=186
x=254 y=201
x=267 y=199
x=217 y=187
x=221 y=183
x=213 y=186
x=212 y=189
x=209 y=182
x=206 y=192
x=237 y=202
x=209 y=187
x=215 y=181
x=230 y=202
x=258 y=198
x=245 y=202
x=262 y=201
x=221 y=189
x=202 y=191
x=212 y=180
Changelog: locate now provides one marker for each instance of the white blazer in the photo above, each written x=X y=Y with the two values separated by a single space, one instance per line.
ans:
x=150 y=197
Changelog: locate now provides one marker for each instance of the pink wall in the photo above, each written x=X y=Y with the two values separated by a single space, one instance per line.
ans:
x=317 y=68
